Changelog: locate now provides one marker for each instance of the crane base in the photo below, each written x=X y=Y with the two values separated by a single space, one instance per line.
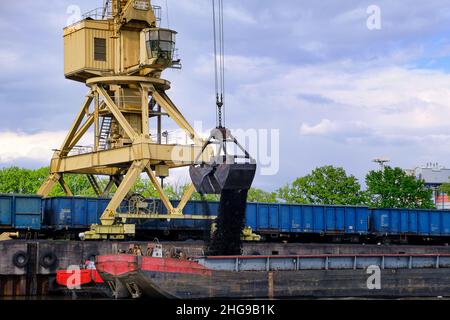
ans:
x=103 y=232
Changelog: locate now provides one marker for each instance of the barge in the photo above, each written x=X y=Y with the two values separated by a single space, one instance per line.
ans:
x=38 y=277
x=277 y=277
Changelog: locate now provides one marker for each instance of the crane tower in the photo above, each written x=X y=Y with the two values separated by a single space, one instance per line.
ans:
x=119 y=52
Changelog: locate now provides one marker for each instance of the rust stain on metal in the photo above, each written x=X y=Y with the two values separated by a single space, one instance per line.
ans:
x=270 y=285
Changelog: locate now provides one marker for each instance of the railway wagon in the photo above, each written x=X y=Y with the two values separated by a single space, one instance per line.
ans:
x=62 y=213
x=178 y=229
x=272 y=220
x=294 y=219
x=70 y=215
x=80 y=212
x=410 y=222
x=20 y=212
x=75 y=214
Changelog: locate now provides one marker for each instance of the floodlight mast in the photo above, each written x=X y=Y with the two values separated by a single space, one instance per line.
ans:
x=381 y=162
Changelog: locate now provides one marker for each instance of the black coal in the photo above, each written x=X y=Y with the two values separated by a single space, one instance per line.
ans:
x=226 y=239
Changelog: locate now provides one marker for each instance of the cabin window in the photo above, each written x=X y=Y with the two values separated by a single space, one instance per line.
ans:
x=99 y=49
x=160 y=44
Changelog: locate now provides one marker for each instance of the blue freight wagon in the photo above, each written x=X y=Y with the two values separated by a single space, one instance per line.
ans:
x=72 y=212
x=63 y=213
x=286 y=220
x=191 y=208
x=23 y=212
x=415 y=222
x=294 y=218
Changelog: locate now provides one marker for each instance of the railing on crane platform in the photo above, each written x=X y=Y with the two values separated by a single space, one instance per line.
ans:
x=105 y=13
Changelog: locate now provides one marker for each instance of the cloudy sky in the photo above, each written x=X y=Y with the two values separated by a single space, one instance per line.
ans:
x=337 y=92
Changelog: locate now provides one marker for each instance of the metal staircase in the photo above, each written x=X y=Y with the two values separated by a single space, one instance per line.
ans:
x=105 y=129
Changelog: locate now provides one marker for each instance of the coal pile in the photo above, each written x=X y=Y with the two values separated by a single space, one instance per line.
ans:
x=226 y=239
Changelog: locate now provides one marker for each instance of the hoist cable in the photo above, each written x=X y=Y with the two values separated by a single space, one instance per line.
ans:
x=222 y=56
x=215 y=57
x=167 y=15
x=219 y=59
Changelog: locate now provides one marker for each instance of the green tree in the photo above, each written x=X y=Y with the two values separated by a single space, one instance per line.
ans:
x=393 y=188
x=324 y=185
x=78 y=184
x=258 y=195
x=144 y=187
x=176 y=190
x=445 y=188
x=18 y=180
x=28 y=181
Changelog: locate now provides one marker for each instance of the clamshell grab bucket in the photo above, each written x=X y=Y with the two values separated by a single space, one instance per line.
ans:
x=223 y=171
x=213 y=179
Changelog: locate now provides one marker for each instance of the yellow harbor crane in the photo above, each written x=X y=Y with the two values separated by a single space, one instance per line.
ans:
x=119 y=52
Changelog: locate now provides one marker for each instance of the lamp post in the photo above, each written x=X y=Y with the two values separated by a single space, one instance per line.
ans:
x=381 y=161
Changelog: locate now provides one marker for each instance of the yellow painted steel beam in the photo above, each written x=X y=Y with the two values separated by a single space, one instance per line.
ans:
x=108 y=187
x=48 y=184
x=163 y=100
x=160 y=190
x=116 y=231
x=65 y=187
x=145 y=111
x=172 y=155
x=133 y=173
x=82 y=131
x=165 y=216
x=185 y=198
x=157 y=82
x=96 y=121
x=64 y=150
x=110 y=171
x=117 y=113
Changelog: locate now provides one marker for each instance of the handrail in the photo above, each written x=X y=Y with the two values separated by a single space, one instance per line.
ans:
x=105 y=13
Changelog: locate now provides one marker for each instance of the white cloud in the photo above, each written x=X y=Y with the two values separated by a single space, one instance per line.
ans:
x=388 y=99
x=314 y=47
x=9 y=61
x=238 y=14
x=358 y=14
x=324 y=127
x=37 y=146
x=240 y=67
x=232 y=12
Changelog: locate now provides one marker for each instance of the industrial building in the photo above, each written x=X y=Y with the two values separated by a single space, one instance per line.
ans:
x=434 y=176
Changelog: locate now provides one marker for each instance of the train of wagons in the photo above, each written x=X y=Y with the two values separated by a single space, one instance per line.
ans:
x=65 y=217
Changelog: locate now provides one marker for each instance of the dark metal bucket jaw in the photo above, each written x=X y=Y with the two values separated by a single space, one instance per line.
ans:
x=224 y=171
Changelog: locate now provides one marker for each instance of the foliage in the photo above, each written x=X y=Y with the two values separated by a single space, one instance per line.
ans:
x=393 y=188
x=175 y=191
x=324 y=185
x=144 y=187
x=17 y=180
x=27 y=181
x=258 y=195
x=445 y=188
